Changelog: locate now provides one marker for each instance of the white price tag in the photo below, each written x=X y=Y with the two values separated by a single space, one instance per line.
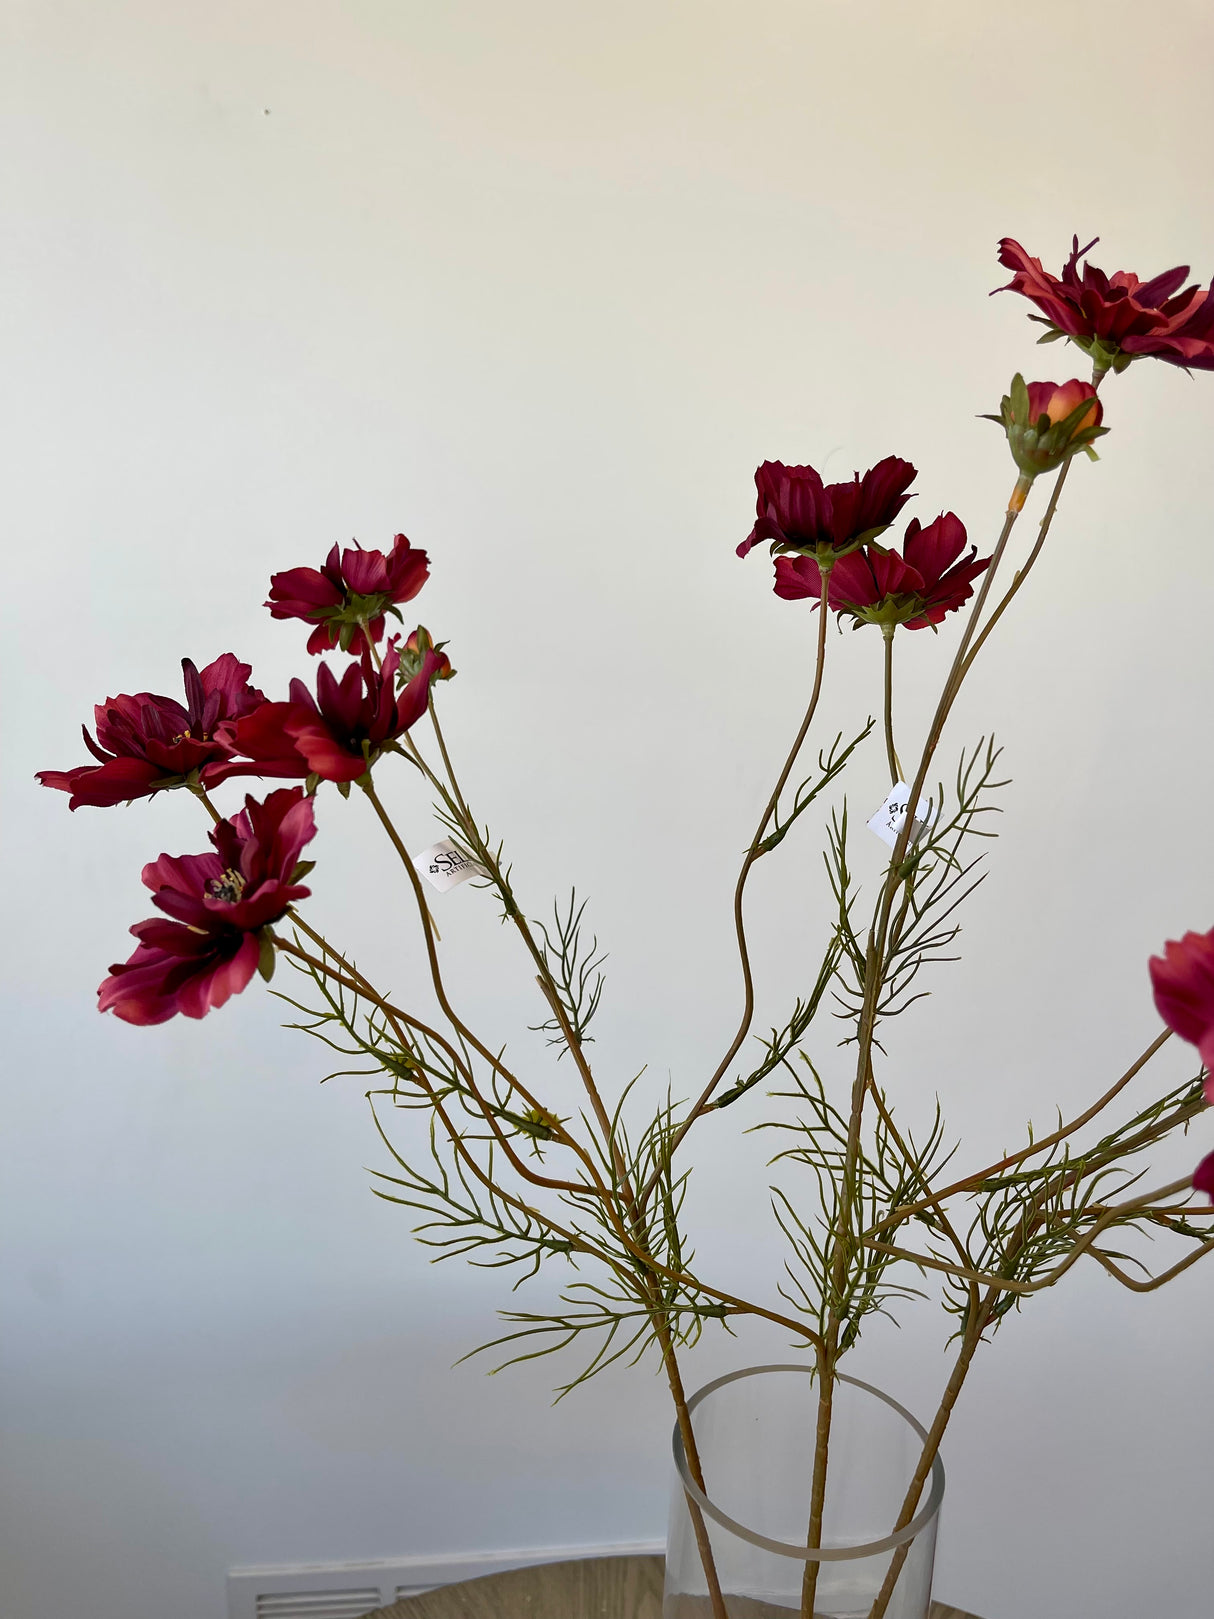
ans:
x=444 y=867
x=889 y=820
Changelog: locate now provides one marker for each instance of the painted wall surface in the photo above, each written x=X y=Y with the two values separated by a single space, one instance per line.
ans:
x=540 y=284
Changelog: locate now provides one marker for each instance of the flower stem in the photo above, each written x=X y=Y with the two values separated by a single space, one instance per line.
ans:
x=691 y=1451
x=817 y=1498
x=365 y=626
x=200 y=793
x=891 y=753
x=752 y=855
x=842 y=1235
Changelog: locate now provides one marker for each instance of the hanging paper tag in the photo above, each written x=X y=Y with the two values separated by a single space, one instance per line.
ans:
x=889 y=820
x=444 y=867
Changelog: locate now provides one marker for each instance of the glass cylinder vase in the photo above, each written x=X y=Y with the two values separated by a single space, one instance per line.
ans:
x=754 y=1432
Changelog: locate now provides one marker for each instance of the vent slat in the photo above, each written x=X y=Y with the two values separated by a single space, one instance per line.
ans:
x=348 y=1604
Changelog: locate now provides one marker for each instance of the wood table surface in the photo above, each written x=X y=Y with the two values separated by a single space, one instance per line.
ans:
x=591 y=1588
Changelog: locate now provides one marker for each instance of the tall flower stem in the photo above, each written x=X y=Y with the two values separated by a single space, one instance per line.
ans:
x=971 y=642
x=843 y=1238
x=817 y=1494
x=891 y=753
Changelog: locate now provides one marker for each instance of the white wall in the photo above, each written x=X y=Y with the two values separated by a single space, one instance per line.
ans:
x=541 y=283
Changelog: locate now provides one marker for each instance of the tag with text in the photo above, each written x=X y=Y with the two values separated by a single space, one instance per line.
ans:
x=889 y=820
x=444 y=867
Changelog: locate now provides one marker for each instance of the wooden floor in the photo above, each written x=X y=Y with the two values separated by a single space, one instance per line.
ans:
x=592 y=1588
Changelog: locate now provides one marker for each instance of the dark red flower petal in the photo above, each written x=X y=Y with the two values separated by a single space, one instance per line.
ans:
x=933 y=549
x=1183 y=982
x=117 y=781
x=798 y=578
x=324 y=754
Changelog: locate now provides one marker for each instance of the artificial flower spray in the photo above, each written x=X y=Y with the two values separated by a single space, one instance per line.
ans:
x=523 y=1165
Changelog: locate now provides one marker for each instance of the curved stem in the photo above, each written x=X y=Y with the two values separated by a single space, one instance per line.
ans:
x=1138 y=1286
x=972 y=1182
x=753 y=853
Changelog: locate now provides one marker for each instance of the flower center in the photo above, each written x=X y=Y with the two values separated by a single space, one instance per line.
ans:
x=229 y=887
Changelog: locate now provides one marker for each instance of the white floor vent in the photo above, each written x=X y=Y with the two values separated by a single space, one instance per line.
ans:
x=347 y=1604
x=350 y=1590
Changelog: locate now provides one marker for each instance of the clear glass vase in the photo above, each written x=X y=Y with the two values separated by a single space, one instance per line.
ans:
x=754 y=1432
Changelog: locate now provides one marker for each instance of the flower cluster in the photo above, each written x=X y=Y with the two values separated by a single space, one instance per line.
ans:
x=831 y=531
x=826 y=538
x=222 y=903
x=827 y=543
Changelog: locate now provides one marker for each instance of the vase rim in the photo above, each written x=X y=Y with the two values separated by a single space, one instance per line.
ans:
x=784 y=1548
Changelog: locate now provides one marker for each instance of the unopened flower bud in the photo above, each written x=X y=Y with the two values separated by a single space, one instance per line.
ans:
x=413 y=655
x=1046 y=422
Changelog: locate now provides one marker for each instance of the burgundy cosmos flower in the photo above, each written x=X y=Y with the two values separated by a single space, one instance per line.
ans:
x=219 y=903
x=1117 y=318
x=876 y=586
x=354 y=587
x=338 y=733
x=153 y=742
x=798 y=512
x=1203 y=1179
x=1183 y=981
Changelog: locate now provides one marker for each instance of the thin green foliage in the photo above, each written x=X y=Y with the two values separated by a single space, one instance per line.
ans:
x=887 y=1173
x=832 y=762
x=574 y=966
x=936 y=877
